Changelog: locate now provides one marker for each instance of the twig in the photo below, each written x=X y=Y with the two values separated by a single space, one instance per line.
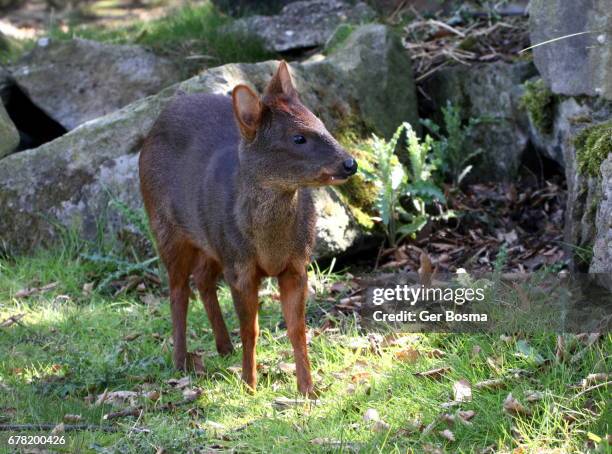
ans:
x=583 y=392
x=136 y=411
x=447 y=27
x=47 y=426
x=555 y=39
x=11 y=320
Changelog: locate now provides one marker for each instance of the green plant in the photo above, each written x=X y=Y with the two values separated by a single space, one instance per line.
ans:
x=117 y=265
x=539 y=102
x=451 y=148
x=593 y=145
x=395 y=184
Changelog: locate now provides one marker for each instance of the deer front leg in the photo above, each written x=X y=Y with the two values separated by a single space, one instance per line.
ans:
x=293 y=292
x=244 y=288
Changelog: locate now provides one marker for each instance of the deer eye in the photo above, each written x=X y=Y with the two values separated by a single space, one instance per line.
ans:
x=299 y=140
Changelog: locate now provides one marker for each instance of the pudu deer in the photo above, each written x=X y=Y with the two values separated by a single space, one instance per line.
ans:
x=227 y=185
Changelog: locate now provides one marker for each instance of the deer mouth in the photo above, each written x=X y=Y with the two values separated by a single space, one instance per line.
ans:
x=328 y=179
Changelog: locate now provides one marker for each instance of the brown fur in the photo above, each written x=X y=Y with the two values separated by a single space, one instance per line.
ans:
x=227 y=192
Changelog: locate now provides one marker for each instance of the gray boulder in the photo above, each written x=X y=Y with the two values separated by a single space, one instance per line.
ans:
x=302 y=25
x=69 y=181
x=492 y=92
x=9 y=137
x=78 y=80
x=601 y=264
x=577 y=65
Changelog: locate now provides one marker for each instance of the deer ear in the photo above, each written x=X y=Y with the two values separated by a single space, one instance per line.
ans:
x=281 y=83
x=247 y=109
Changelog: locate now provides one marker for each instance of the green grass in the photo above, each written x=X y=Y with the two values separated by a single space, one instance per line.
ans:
x=70 y=345
x=193 y=35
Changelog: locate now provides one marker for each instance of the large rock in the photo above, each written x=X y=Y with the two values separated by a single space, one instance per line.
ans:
x=491 y=92
x=78 y=80
x=577 y=65
x=9 y=137
x=602 y=246
x=69 y=181
x=303 y=25
x=571 y=116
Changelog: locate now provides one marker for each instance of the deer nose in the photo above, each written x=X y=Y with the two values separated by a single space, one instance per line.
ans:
x=350 y=165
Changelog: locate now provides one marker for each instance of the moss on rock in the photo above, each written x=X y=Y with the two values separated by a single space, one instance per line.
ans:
x=359 y=193
x=539 y=102
x=593 y=145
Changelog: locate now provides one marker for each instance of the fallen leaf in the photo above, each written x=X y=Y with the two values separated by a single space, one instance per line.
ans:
x=59 y=429
x=407 y=355
x=88 y=288
x=436 y=353
x=339 y=287
x=190 y=394
x=599 y=377
x=116 y=397
x=23 y=293
x=371 y=414
x=194 y=363
x=434 y=374
x=380 y=426
x=152 y=395
x=466 y=415
x=11 y=320
x=283 y=403
x=514 y=407
x=72 y=418
x=287 y=368
x=462 y=391
x=447 y=434
x=425 y=270
x=179 y=383
x=534 y=396
x=131 y=337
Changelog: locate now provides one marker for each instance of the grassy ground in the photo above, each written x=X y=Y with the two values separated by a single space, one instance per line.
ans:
x=72 y=344
x=192 y=35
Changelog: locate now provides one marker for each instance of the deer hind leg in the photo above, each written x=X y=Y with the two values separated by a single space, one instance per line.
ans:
x=178 y=257
x=206 y=275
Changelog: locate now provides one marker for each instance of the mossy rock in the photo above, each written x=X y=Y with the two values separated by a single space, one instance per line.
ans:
x=539 y=102
x=593 y=145
x=338 y=38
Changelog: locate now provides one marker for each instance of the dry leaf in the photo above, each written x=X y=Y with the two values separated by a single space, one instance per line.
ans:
x=194 y=363
x=190 y=394
x=466 y=415
x=72 y=418
x=88 y=288
x=11 y=320
x=514 y=407
x=426 y=270
x=407 y=355
x=380 y=426
x=282 y=403
x=436 y=353
x=131 y=337
x=447 y=434
x=591 y=379
x=493 y=383
x=462 y=391
x=23 y=293
x=152 y=395
x=371 y=414
x=534 y=396
x=179 y=383
x=116 y=397
x=434 y=374
x=287 y=368
x=59 y=429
